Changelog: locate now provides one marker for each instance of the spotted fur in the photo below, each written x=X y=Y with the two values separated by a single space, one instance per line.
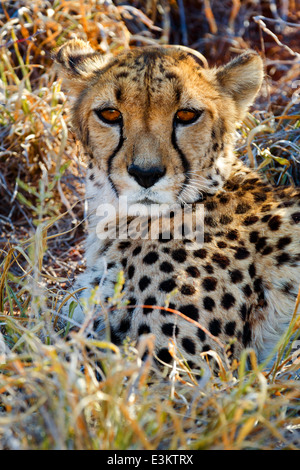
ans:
x=241 y=285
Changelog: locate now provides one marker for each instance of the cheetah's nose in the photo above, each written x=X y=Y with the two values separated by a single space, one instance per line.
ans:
x=146 y=177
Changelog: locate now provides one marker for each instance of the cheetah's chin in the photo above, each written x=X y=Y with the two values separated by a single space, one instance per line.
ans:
x=147 y=208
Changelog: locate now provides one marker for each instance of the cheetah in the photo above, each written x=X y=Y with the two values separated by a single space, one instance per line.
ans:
x=158 y=128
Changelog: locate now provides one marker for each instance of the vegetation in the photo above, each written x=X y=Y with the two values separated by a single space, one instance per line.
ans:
x=59 y=387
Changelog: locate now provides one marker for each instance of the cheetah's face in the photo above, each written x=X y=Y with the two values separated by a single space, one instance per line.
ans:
x=156 y=125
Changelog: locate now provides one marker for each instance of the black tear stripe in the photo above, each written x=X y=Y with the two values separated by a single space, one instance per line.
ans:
x=184 y=160
x=110 y=160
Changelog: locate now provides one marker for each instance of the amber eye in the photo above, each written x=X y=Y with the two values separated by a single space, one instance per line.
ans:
x=187 y=116
x=109 y=115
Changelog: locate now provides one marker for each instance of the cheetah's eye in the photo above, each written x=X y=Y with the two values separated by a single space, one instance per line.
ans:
x=187 y=116
x=109 y=115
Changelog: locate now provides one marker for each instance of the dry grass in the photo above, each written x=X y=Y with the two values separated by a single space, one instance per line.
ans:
x=51 y=396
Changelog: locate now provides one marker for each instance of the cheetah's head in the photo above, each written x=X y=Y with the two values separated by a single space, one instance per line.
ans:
x=157 y=125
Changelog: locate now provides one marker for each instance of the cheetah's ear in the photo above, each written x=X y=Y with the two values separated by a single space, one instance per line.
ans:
x=242 y=78
x=75 y=62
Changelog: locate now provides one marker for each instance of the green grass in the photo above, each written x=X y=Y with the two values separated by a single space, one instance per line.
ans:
x=50 y=393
